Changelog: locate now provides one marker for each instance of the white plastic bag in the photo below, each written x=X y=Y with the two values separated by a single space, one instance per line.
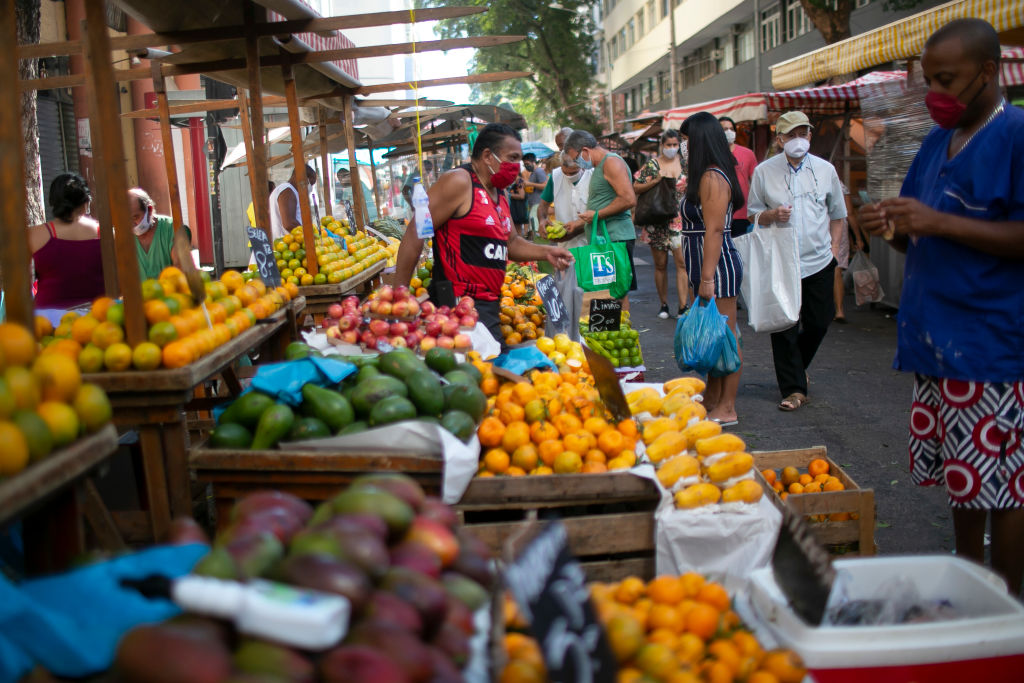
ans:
x=867 y=287
x=771 y=277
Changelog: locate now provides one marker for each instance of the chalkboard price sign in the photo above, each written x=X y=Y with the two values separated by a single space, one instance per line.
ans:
x=550 y=589
x=605 y=315
x=558 y=316
x=264 y=255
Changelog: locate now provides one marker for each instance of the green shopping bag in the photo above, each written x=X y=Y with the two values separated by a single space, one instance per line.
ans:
x=603 y=264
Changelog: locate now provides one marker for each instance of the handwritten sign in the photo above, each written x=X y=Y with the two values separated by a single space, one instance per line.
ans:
x=264 y=255
x=605 y=315
x=558 y=316
x=550 y=588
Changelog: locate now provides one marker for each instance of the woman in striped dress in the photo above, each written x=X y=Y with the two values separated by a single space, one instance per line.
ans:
x=712 y=194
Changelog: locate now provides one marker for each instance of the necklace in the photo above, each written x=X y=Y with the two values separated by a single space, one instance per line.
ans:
x=991 y=117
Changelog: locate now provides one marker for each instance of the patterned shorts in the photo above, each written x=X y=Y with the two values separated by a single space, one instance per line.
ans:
x=967 y=436
x=665 y=237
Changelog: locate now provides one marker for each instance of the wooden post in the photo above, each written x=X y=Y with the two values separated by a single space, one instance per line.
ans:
x=348 y=115
x=243 y=111
x=258 y=171
x=376 y=189
x=325 y=181
x=14 y=253
x=300 y=165
x=165 y=135
x=108 y=147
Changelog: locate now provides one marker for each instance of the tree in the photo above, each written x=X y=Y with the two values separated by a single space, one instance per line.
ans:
x=27 y=12
x=830 y=17
x=557 y=50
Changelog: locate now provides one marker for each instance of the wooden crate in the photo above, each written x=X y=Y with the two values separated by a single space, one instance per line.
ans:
x=311 y=475
x=609 y=517
x=856 y=536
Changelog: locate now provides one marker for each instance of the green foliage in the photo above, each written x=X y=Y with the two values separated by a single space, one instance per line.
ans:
x=557 y=50
x=898 y=5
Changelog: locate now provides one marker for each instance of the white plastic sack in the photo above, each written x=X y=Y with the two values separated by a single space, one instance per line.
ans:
x=771 y=277
x=867 y=287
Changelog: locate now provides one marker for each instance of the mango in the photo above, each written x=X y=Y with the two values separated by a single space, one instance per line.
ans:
x=665 y=446
x=729 y=466
x=165 y=653
x=658 y=426
x=746 y=491
x=697 y=496
x=258 y=657
x=722 y=443
x=701 y=430
x=679 y=467
x=360 y=664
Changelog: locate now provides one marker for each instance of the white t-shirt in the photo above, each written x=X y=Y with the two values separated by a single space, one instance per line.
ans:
x=570 y=200
x=277 y=229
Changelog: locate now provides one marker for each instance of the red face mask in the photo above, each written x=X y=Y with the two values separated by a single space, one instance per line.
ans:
x=947 y=110
x=506 y=174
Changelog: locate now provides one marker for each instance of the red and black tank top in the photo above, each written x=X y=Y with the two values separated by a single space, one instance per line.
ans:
x=473 y=248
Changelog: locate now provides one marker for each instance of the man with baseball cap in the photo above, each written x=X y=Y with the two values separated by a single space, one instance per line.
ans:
x=798 y=190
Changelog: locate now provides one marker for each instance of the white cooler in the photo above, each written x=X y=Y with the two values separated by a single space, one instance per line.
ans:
x=985 y=644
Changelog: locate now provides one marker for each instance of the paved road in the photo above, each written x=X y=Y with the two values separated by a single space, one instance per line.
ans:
x=859 y=409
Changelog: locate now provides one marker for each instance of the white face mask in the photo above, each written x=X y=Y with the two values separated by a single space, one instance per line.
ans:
x=144 y=225
x=670 y=152
x=730 y=136
x=573 y=178
x=797 y=147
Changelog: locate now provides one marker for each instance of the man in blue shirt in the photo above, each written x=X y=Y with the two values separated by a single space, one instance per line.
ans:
x=960 y=219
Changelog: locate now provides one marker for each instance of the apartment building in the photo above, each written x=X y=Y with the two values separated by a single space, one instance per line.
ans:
x=723 y=47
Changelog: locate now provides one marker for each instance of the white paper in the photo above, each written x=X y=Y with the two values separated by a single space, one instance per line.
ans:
x=484 y=342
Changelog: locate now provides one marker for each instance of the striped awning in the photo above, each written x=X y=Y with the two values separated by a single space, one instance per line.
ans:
x=828 y=96
x=749 y=107
x=898 y=40
x=1013 y=66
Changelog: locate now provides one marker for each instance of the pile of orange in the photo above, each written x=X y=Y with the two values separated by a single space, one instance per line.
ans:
x=682 y=629
x=553 y=424
x=178 y=330
x=817 y=479
x=335 y=263
x=44 y=405
x=521 y=311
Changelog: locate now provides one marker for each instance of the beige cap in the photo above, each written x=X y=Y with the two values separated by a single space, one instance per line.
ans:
x=791 y=120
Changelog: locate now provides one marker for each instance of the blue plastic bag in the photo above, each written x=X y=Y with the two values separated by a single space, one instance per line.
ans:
x=729 y=360
x=701 y=338
x=523 y=359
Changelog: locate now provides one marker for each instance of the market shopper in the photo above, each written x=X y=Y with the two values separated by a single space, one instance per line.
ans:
x=712 y=193
x=285 y=213
x=665 y=238
x=746 y=162
x=66 y=251
x=535 y=179
x=154 y=235
x=611 y=194
x=960 y=220
x=346 y=193
x=850 y=228
x=473 y=234
x=798 y=190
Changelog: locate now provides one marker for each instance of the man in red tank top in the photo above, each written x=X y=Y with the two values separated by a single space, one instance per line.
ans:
x=473 y=233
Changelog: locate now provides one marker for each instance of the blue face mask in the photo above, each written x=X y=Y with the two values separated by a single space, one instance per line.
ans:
x=584 y=164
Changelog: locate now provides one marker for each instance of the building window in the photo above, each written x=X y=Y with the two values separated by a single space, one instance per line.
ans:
x=623 y=46
x=745 y=44
x=797 y=21
x=640 y=24
x=664 y=8
x=632 y=32
x=725 y=55
x=651 y=19
x=771 y=35
x=613 y=48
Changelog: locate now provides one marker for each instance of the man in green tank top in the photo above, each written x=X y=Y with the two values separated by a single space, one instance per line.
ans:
x=611 y=194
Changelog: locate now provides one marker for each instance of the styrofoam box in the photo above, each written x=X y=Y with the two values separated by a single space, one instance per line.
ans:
x=985 y=643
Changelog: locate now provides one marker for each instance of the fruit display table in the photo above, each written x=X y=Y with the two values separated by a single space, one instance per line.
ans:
x=320 y=297
x=53 y=535
x=155 y=402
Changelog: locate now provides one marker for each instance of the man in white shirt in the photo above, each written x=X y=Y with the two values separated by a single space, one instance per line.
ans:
x=284 y=203
x=798 y=190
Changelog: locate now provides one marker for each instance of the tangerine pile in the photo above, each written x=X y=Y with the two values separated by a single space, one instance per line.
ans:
x=553 y=424
x=682 y=629
x=178 y=330
x=521 y=312
x=44 y=404
x=336 y=263
x=420 y=280
x=817 y=479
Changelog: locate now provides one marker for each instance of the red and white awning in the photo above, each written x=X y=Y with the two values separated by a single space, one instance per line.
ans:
x=830 y=95
x=749 y=107
x=1013 y=66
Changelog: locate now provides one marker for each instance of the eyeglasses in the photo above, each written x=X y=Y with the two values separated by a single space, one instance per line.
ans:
x=799 y=194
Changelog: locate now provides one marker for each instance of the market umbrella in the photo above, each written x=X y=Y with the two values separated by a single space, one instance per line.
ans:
x=539 y=148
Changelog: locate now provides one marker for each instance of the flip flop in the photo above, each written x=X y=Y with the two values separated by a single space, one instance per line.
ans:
x=793 y=402
x=728 y=423
x=839 y=319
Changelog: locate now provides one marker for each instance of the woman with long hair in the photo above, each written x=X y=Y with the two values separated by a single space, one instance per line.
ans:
x=712 y=195
x=665 y=238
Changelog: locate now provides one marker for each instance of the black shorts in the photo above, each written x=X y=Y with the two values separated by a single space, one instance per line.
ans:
x=488 y=311
x=632 y=268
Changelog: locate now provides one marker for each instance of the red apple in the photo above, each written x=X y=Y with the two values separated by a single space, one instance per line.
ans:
x=450 y=327
x=384 y=308
x=350 y=301
x=333 y=333
x=432 y=329
x=369 y=339
x=435 y=536
x=467 y=300
x=386 y=293
x=414 y=307
x=467 y=321
x=446 y=342
x=401 y=293
x=397 y=342
x=348 y=321
x=365 y=308
x=379 y=328
x=399 y=329
x=462 y=308
x=462 y=342
x=444 y=310
x=427 y=308
x=350 y=337
x=335 y=311
x=427 y=343
x=400 y=309
x=413 y=339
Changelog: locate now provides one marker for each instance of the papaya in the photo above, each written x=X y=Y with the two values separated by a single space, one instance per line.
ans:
x=674 y=403
x=693 y=385
x=425 y=392
x=665 y=446
x=230 y=435
x=375 y=389
x=459 y=423
x=721 y=443
x=701 y=430
x=440 y=360
x=697 y=496
x=691 y=411
x=391 y=409
x=328 y=406
x=729 y=466
x=676 y=468
x=746 y=491
x=467 y=399
x=308 y=428
x=275 y=422
x=247 y=409
x=644 y=400
x=400 y=363
x=658 y=426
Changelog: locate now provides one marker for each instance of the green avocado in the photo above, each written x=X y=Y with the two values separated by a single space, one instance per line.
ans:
x=400 y=363
x=230 y=435
x=469 y=400
x=459 y=423
x=440 y=359
x=459 y=376
x=367 y=393
x=275 y=422
x=308 y=428
x=328 y=406
x=247 y=409
x=425 y=392
x=391 y=409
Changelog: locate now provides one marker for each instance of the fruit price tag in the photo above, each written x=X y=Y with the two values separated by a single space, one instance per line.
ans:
x=550 y=589
x=558 y=316
x=264 y=255
x=605 y=315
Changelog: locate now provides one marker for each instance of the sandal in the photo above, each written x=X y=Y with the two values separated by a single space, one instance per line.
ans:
x=793 y=402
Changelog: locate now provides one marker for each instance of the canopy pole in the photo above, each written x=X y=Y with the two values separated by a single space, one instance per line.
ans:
x=243 y=111
x=325 y=182
x=160 y=86
x=14 y=253
x=312 y=267
x=258 y=171
x=376 y=190
x=359 y=204
x=110 y=155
